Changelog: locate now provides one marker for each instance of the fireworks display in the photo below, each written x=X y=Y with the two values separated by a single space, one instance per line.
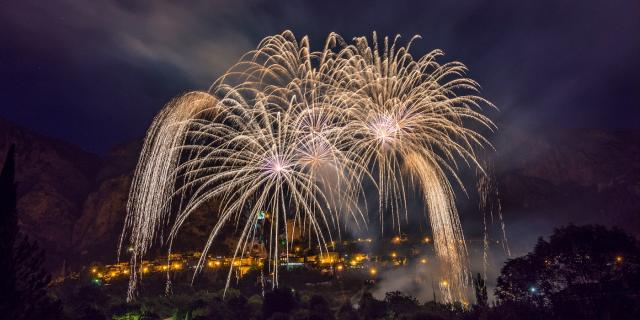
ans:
x=297 y=133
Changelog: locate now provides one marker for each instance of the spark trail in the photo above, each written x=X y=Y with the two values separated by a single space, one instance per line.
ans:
x=297 y=132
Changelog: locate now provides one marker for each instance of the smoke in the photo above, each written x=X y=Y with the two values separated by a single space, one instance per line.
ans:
x=416 y=279
x=422 y=280
x=199 y=40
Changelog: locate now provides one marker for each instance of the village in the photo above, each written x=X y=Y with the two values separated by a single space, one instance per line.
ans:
x=354 y=255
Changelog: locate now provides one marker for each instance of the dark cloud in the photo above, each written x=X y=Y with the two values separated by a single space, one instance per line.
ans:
x=95 y=73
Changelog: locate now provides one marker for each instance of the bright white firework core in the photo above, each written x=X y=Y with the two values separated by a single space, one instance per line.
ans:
x=385 y=128
x=276 y=165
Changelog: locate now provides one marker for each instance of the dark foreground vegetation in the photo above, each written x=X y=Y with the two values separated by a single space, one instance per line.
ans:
x=580 y=272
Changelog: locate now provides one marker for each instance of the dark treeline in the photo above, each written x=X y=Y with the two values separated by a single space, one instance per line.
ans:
x=23 y=281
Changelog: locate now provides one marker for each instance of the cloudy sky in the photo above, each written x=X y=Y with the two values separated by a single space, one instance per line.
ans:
x=94 y=73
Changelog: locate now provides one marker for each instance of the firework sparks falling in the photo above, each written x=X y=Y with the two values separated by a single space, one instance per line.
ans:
x=415 y=116
x=287 y=124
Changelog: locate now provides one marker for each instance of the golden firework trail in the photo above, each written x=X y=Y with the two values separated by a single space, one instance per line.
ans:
x=297 y=132
x=415 y=116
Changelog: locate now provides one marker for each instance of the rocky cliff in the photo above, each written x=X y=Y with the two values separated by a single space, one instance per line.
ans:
x=97 y=230
x=54 y=179
x=554 y=177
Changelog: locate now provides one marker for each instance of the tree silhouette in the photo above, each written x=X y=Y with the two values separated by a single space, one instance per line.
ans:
x=586 y=272
x=481 y=291
x=346 y=312
x=280 y=300
x=371 y=308
x=481 y=308
x=8 y=233
x=399 y=303
x=319 y=308
x=23 y=281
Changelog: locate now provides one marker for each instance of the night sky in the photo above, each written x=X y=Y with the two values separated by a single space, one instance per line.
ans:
x=94 y=73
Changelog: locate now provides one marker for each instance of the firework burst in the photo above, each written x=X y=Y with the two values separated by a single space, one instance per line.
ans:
x=297 y=132
x=415 y=117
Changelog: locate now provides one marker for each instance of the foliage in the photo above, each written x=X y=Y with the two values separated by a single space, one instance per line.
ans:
x=480 y=288
x=346 y=312
x=280 y=300
x=23 y=285
x=319 y=308
x=587 y=272
x=370 y=308
x=399 y=303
